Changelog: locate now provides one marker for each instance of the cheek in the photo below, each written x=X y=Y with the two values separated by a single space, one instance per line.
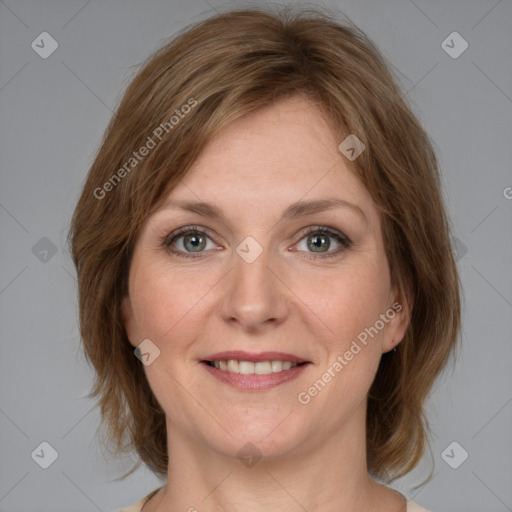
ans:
x=354 y=314
x=352 y=345
x=163 y=298
x=347 y=303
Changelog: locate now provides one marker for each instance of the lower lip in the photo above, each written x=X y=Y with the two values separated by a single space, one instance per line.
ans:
x=255 y=381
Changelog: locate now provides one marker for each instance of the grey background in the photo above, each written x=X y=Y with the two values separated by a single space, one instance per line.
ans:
x=53 y=113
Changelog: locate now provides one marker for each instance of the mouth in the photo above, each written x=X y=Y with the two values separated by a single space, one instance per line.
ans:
x=252 y=368
x=248 y=371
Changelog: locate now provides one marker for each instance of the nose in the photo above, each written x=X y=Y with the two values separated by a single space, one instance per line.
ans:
x=255 y=297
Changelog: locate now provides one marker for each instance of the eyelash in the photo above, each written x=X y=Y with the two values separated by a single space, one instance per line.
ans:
x=342 y=239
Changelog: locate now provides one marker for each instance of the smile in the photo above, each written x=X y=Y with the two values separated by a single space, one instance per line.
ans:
x=252 y=372
x=250 y=368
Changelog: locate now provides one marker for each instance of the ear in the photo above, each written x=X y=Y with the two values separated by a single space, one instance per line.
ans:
x=128 y=320
x=398 y=314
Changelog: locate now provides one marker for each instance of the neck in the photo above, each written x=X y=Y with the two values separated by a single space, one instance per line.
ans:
x=324 y=475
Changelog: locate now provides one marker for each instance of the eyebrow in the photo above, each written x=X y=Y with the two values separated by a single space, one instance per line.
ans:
x=295 y=210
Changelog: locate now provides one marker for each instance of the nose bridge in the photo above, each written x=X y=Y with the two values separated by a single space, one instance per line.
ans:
x=255 y=297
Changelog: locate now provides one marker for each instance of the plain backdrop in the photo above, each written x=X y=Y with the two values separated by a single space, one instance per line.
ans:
x=53 y=112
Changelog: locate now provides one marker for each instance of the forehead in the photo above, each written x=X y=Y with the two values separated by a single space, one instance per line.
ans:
x=267 y=160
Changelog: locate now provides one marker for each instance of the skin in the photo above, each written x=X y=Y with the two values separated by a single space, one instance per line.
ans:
x=290 y=299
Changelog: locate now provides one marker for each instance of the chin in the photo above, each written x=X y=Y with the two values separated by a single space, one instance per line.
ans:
x=267 y=437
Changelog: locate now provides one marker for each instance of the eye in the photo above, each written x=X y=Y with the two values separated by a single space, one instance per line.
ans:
x=319 y=240
x=192 y=241
x=187 y=241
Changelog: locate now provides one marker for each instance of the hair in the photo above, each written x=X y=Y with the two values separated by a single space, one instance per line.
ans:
x=208 y=75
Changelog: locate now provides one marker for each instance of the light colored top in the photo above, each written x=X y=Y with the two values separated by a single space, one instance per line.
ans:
x=137 y=507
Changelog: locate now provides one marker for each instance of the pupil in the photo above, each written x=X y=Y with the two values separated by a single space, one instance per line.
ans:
x=318 y=241
x=197 y=242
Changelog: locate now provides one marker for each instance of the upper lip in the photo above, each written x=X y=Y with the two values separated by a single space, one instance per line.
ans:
x=240 y=355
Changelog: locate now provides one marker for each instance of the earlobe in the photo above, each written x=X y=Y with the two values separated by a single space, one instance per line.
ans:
x=399 y=314
x=127 y=318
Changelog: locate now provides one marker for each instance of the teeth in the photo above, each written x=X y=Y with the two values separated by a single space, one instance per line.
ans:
x=262 y=368
x=233 y=366
x=277 y=366
x=246 y=367
x=250 y=368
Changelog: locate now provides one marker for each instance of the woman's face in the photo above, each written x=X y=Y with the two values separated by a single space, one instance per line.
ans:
x=285 y=265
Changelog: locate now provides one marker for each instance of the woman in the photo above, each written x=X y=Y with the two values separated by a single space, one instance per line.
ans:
x=266 y=284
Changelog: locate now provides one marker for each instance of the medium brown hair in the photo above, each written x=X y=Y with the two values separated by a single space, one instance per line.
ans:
x=223 y=68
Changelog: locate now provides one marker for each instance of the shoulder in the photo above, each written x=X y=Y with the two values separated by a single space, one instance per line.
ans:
x=413 y=507
x=137 y=507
